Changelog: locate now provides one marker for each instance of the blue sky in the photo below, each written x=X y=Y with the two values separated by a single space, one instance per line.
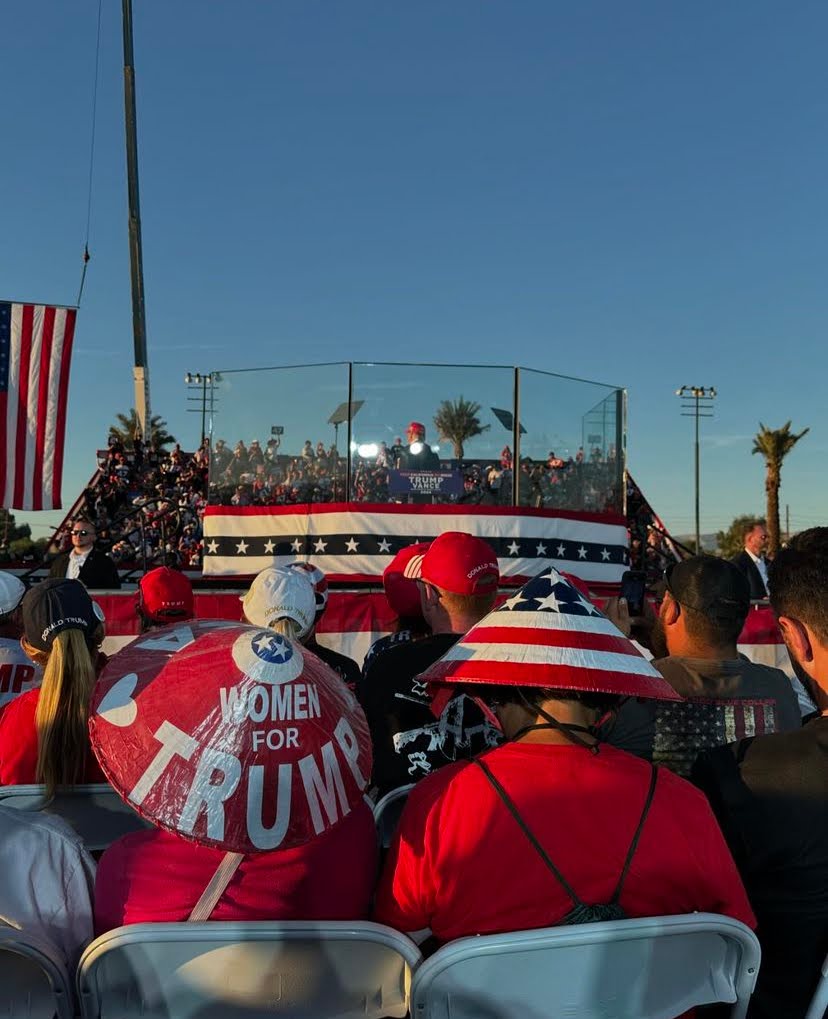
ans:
x=634 y=193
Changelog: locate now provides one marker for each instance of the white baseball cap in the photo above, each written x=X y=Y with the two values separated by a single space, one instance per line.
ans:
x=12 y=590
x=278 y=593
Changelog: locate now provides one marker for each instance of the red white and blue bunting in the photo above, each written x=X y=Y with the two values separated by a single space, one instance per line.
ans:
x=350 y=542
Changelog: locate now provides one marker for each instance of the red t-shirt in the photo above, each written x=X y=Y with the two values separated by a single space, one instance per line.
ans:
x=461 y=865
x=18 y=744
x=154 y=876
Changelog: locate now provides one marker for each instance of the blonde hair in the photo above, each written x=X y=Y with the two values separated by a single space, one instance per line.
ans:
x=287 y=628
x=63 y=708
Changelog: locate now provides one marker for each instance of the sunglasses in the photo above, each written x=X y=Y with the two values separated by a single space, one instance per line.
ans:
x=82 y=534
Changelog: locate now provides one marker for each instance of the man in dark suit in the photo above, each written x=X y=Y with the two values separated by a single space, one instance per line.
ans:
x=751 y=560
x=85 y=563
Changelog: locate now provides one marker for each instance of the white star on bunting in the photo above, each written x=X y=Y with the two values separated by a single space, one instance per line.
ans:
x=296 y=545
x=561 y=551
x=582 y=552
x=514 y=548
x=605 y=555
x=212 y=547
x=241 y=548
x=541 y=550
x=320 y=545
x=351 y=545
x=385 y=545
x=270 y=544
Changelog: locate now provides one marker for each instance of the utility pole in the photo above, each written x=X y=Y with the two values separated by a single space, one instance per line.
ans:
x=787 y=522
x=697 y=399
x=140 y=371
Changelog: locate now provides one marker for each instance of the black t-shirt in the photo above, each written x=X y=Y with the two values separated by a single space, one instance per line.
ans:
x=770 y=795
x=346 y=668
x=409 y=742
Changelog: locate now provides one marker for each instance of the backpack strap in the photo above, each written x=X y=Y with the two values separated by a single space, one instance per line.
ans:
x=222 y=877
x=501 y=792
x=545 y=856
x=634 y=844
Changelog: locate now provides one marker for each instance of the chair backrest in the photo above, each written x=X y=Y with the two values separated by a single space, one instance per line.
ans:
x=653 y=968
x=33 y=981
x=818 y=1008
x=387 y=812
x=96 y=812
x=303 y=970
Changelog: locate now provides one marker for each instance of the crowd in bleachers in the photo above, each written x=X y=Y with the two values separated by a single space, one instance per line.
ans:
x=147 y=504
x=550 y=758
x=249 y=475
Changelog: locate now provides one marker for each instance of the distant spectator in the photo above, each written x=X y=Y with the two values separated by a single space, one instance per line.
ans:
x=85 y=563
x=751 y=560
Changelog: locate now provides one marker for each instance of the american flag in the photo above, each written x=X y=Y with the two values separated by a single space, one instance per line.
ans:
x=35 y=351
x=357 y=541
x=548 y=634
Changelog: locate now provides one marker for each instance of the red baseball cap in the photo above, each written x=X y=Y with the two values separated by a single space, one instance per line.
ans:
x=415 y=426
x=461 y=563
x=400 y=580
x=165 y=595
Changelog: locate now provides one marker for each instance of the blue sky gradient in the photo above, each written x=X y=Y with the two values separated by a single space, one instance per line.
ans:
x=633 y=193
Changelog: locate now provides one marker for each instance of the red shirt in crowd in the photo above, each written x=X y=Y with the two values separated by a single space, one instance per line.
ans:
x=18 y=744
x=151 y=876
x=461 y=865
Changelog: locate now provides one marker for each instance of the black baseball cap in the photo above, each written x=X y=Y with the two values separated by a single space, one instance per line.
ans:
x=56 y=605
x=710 y=585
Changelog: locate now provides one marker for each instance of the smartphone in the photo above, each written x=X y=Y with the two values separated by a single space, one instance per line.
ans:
x=633 y=588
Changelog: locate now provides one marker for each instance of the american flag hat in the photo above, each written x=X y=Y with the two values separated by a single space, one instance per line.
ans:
x=549 y=635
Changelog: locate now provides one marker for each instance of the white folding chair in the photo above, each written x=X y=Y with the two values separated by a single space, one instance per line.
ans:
x=653 y=968
x=225 y=970
x=95 y=811
x=387 y=812
x=818 y=1008
x=33 y=980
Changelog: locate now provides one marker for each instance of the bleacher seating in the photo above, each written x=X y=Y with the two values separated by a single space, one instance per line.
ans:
x=222 y=970
x=95 y=811
x=653 y=968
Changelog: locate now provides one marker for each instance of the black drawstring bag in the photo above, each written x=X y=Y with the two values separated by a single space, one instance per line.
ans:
x=581 y=912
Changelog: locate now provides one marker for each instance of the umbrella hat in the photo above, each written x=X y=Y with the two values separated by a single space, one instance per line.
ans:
x=230 y=735
x=549 y=635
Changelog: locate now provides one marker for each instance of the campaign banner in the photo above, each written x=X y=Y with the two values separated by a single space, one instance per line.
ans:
x=425 y=482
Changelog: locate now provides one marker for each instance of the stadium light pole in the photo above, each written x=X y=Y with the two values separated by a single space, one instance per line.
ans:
x=140 y=371
x=200 y=382
x=698 y=403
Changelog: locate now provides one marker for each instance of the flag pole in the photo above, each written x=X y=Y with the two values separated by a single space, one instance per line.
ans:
x=140 y=371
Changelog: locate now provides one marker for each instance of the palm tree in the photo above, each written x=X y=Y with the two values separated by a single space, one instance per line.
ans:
x=774 y=444
x=457 y=422
x=128 y=427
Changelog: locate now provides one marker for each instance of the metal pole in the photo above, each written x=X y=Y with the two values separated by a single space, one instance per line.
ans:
x=516 y=440
x=203 y=408
x=698 y=528
x=348 y=441
x=140 y=372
